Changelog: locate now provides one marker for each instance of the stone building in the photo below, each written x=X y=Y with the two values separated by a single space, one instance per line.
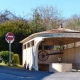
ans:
x=41 y=50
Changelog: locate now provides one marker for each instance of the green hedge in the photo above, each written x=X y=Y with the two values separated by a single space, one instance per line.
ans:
x=4 y=55
x=16 y=59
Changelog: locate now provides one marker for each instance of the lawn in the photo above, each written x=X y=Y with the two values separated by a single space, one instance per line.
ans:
x=11 y=66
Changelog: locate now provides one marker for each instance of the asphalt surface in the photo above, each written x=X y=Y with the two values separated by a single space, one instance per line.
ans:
x=22 y=74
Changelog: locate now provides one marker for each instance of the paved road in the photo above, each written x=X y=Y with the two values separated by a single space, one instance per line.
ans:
x=21 y=74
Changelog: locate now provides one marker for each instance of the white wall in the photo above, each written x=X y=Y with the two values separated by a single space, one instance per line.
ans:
x=24 y=57
x=70 y=55
x=51 y=59
x=28 y=56
x=31 y=62
x=77 y=55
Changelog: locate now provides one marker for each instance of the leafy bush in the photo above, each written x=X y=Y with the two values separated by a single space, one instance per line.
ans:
x=15 y=59
x=5 y=56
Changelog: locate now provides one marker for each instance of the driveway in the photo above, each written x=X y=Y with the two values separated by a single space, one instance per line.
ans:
x=22 y=74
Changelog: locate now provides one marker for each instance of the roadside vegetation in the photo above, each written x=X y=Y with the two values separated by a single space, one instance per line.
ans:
x=15 y=60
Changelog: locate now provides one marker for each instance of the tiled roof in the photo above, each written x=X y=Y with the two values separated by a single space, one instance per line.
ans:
x=59 y=30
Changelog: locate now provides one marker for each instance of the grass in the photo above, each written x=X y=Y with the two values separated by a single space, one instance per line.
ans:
x=3 y=64
x=11 y=66
x=16 y=67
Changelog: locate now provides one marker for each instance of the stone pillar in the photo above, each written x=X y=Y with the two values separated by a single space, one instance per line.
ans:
x=33 y=57
x=22 y=55
x=26 y=58
x=30 y=64
x=37 y=42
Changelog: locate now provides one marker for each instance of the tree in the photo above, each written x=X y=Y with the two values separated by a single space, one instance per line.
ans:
x=73 y=22
x=36 y=24
x=6 y=16
x=48 y=16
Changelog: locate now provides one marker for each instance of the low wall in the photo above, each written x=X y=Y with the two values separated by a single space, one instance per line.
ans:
x=60 y=67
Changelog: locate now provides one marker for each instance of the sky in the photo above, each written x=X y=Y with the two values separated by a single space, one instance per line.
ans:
x=21 y=8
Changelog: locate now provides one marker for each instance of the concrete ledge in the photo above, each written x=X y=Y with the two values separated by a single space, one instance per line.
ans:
x=60 y=67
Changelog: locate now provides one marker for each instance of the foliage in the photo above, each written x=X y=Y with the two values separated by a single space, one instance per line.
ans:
x=5 y=56
x=15 y=59
x=73 y=22
x=19 y=28
x=6 y=16
x=49 y=17
x=36 y=24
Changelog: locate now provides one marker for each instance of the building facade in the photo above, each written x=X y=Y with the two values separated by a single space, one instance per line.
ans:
x=53 y=46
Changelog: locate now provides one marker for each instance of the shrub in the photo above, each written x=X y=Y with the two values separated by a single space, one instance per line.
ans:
x=5 y=56
x=15 y=59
